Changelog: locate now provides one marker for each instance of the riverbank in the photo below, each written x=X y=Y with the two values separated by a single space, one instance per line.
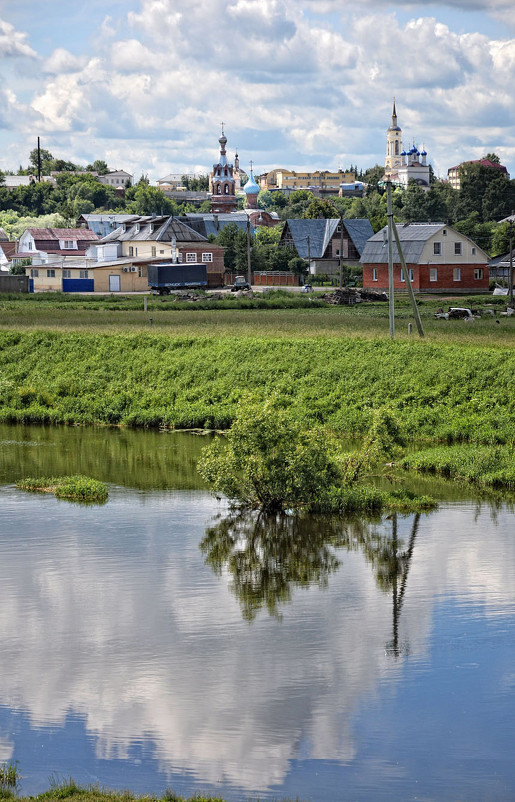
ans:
x=77 y=793
x=440 y=393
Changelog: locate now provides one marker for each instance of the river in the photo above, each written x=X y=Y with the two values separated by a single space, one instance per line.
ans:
x=159 y=641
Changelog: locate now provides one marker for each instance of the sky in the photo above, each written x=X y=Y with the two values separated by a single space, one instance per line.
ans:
x=298 y=84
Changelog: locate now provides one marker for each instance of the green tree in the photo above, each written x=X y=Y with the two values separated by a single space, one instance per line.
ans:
x=499 y=198
x=46 y=161
x=475 y=179
x=266 y=199
x=269 y=236
x=144 y=199
x=269 y=460
x=479 y=232
x=19 y=268
x=501 y=239
x=99 y=166
x=372 y=176
x=320 y=208
x=298 y=266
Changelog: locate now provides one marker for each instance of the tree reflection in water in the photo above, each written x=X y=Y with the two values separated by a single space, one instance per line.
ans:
x=267 y=557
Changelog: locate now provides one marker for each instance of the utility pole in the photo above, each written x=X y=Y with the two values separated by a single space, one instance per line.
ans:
x=341 y=252
x=389 y=214
x=392 y=229
x=511 y=260
x=39 y=160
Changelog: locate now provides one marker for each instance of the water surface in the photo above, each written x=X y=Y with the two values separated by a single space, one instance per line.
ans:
x=161 y=641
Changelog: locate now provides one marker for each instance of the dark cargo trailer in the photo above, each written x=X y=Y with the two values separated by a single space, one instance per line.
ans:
x=166 y=277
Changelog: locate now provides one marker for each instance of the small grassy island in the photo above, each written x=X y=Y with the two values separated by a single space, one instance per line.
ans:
x=73 y=488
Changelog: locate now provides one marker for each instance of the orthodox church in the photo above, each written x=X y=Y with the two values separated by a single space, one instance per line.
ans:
x=402 y=166
x=223 y=183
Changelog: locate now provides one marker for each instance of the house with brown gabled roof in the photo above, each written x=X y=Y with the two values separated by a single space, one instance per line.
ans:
x=48 y=243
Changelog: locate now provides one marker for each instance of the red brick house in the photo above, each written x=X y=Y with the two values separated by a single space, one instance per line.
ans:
x=439 y=258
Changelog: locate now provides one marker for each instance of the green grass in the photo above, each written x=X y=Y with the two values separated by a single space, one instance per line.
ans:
x=484 y=466
x=73 y=488
x=71 y=791
x=279 y=314
x=439 y=392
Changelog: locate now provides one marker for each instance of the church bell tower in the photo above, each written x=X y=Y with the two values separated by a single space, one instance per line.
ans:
x=393 y=144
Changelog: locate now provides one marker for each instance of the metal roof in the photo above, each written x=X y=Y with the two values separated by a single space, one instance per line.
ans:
x=207 y=224
x=359 y=230
x=320 y=232
x=413 y=237
x=155 y=229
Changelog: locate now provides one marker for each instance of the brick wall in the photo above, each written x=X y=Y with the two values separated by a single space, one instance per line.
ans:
x=421 y=281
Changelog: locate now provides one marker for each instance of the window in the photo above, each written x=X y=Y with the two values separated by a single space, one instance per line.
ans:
x=34 y=273
x=135 y=251
x=207 y=257
x=433 y=274
x=84 y=274
x=437 y=248
x=50 y=273
x=478 y=273
x=191 y=257
x=410 y=274
x=68 y=243
x=142 y=271
x=131 y=250
x=67 y=273
x=456 y=274
x=161 y=251
x=457 y=248
x=374 y=274
x=444 y=232
x=29 y=246
x=473 y=251
x=153 y=250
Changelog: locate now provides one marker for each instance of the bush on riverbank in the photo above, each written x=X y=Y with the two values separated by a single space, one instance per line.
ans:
x=270 y=461
x=73 y=488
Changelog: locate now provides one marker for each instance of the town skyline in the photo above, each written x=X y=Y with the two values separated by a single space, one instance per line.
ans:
x=144 y=84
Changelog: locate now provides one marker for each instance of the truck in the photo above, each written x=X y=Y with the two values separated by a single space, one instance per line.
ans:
x=167 y=277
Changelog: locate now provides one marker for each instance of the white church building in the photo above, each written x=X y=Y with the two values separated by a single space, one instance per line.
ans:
x=402 y=166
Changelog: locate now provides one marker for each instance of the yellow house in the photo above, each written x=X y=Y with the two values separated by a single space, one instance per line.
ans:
x=323 y=180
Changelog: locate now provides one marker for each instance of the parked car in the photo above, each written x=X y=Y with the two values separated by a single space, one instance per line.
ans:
x=240 y=283
x=455 y=313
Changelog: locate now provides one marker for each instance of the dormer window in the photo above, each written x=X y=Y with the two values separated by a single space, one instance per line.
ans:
x=137 y=228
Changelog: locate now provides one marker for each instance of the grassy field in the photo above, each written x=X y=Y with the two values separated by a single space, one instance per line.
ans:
x=277 y=315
